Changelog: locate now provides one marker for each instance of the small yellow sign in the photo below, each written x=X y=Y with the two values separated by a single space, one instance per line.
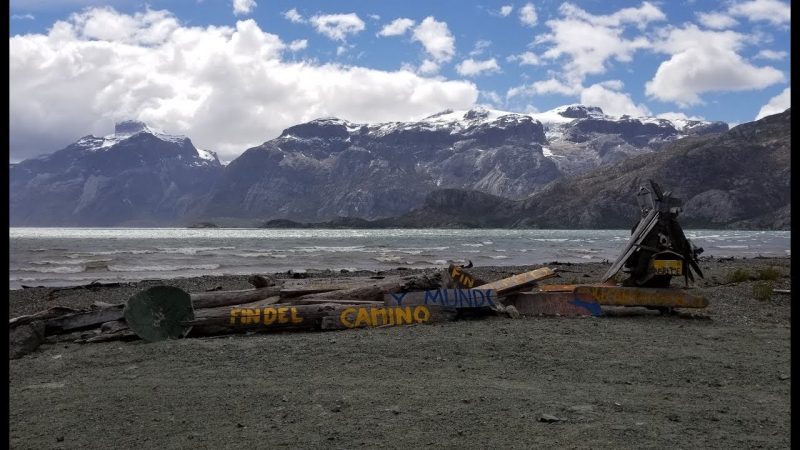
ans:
x=667 y=267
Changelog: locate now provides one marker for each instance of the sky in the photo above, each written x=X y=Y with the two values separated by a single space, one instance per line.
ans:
x=232 y=74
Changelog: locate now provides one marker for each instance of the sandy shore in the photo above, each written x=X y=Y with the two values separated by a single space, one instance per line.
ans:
x=629 y=380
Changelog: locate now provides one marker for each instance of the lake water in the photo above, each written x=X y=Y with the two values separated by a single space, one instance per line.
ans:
x=69 y=256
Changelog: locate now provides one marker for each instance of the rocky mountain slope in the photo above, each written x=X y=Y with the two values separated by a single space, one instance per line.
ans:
x=137 y=176
x=738 y=179
x=331 y=168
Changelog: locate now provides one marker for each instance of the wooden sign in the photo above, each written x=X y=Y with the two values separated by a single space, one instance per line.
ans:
x=518 y=282
x=564 y=304
x=463 y=279
x=453 y=298
x=635 y=296
x=382 y=316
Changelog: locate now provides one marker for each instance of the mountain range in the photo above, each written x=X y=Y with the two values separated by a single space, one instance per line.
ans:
x=572 y=167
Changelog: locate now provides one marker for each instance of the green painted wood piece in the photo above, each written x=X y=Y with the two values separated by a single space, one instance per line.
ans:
x=157 y=313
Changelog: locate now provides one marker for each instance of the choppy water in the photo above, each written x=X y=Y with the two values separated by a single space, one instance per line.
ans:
x=67 y=256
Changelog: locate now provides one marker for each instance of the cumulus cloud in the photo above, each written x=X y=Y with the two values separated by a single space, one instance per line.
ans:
x=298 y=44
x=773 y=55
x=396 y=27
x=611 y=100
x=338 y=26
x=243 y=7
x=428 y=67
x=527 y=15
x=436 y=38
x=777 y=104
x=227 y=88
x=716 y=20
x=526 y=59
x=772 y=11
x=704 y=61
x=470 y=67
x=293 y=16
x=22 y=17
x=506 y=10
x=589 y=41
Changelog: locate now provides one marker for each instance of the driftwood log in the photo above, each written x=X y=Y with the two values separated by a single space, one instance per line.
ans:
x=328 y=316
x=213 y=299
x=375 y=289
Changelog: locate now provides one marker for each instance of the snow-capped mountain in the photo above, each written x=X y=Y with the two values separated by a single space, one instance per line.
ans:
x=332 y=167
x=326 y=168
x=137 y=175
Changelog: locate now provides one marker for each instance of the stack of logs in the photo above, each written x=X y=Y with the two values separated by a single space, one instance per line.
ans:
x=286 y=304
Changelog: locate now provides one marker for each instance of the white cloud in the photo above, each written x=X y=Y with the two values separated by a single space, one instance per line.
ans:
x=338 y=26
x=588 y=41
x=428 y=67
x=771 y=55
x=678 y=116
x=704 y=61
x=396 y=27
x=772 y=11
x=243 y=7
x=374 y=17
x=436 y=38
x=716 y=20
x=470 y=67
x=480 y=46
x=777 y=104
x=640 y=16
x=526 y=59
x=611 y=101
x=23 y=17
x=527 y=15
x=549 y=86
x=506 y=10
x=293 y=16
x=227 y=88
x=492 y=96
x=298 y=44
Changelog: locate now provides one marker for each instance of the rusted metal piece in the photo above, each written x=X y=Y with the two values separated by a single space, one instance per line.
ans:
x=519 y=282
x=635 y=296
x=555 y=303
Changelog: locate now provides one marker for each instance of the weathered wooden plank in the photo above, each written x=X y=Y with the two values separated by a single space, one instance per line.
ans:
x=634 y=296
x=454 y=298
x=565 y=304
x=520 y=281
x=556 y=287
x=81 y=320
x=461 y=278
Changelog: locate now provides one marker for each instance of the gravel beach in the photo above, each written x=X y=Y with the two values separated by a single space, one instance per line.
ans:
x=715 y=378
